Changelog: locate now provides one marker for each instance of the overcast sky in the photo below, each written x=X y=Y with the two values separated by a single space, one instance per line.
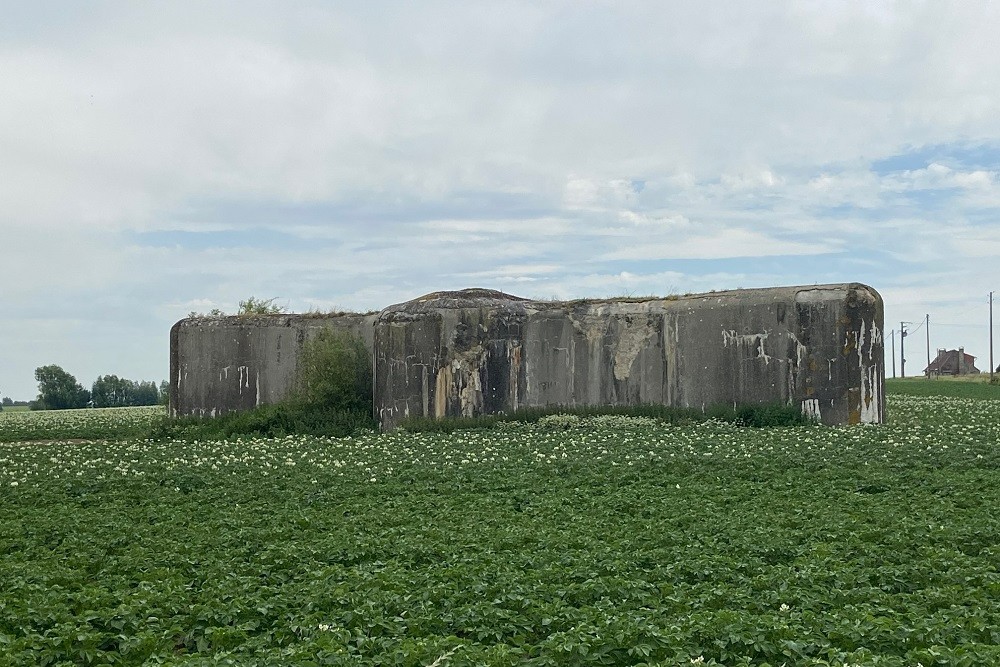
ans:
x=159 y=158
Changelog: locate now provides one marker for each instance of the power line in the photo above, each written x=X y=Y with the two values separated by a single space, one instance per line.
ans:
x=892 y=339
x=927 y=320
x=903 y=333
x=969 y=310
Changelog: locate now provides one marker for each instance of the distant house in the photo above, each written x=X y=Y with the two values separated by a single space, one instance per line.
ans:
x=952 y=362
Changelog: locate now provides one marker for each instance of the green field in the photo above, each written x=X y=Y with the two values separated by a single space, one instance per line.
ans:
x=608 y=540
x=83 y=424
x=972 y=386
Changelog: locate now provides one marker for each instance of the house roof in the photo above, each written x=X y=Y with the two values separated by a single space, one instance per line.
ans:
x=947 y=362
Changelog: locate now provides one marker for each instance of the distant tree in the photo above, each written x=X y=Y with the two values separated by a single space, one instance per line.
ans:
x=111 y=391
x=58 y=390
x=144 y=393
x=165 y=393
x=6 y=402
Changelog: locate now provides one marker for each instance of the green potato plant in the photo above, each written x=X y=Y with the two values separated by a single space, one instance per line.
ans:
x=607 y=540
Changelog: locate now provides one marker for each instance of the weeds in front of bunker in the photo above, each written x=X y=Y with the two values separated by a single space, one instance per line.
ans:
x=609 y=539
x=755 y=416
x=267 y=421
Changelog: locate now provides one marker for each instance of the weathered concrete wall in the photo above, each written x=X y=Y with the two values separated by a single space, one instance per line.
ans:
x=221 y=364
x=478 y=351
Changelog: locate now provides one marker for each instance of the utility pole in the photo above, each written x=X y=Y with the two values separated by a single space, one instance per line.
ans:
x=992 y=367
x=892 y=337
x=902 y=348
x=927 y=327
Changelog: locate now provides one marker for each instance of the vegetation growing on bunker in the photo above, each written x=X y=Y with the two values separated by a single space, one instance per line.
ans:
x=247 y=308
x=332 y=396
x=335 y=371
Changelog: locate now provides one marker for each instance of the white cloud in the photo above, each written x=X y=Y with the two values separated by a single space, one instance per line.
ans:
x=857 y=187
x=718 y=244
x=938 y=176
x=654 y=220
x=980 y=244
x=546 y=226
x=368 y=155
x=751 y=180
x=587 y=194
x=514 y=272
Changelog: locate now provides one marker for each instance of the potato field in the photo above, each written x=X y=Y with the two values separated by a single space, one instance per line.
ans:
x=606 y=540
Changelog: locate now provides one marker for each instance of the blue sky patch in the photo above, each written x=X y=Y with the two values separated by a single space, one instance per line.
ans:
x=956 y=156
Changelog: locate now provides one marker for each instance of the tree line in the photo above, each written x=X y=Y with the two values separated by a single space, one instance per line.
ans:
x=59 y=390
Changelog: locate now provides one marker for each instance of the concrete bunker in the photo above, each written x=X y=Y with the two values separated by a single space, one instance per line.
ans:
x=238 y=362
x=477 y=351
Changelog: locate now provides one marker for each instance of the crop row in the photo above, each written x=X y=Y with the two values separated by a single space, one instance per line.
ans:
x=88 y=423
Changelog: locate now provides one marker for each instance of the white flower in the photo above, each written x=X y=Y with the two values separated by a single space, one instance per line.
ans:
x=784 y=607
